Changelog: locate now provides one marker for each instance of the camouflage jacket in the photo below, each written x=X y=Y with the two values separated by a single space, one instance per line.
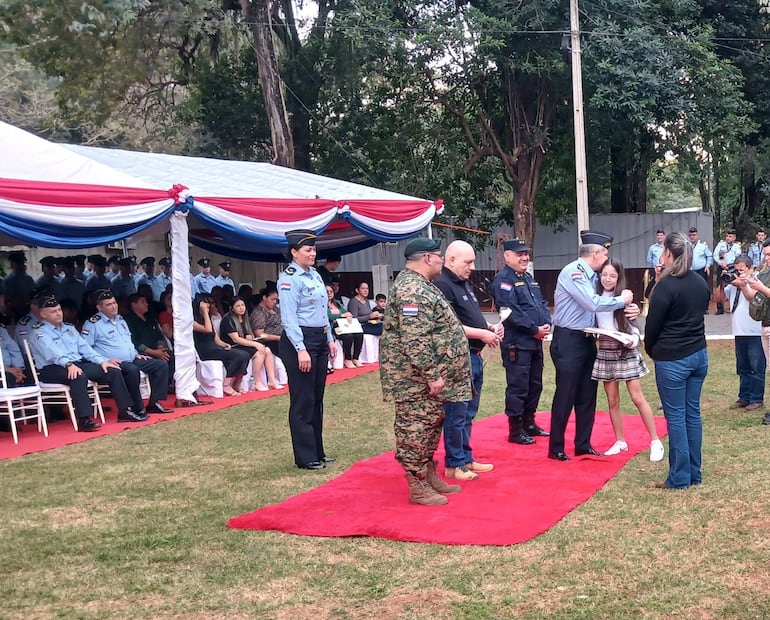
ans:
x=422 y=341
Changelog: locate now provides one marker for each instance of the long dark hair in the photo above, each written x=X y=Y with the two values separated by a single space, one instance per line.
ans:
x=620 y=317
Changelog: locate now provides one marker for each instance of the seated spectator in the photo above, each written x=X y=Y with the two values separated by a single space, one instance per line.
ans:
x=235 y=330
x=265 y=319
x=210 y=346
x=108 y=334
x=166 y=317
x=12 y=359
x=63 y=356
x=359 y=308
x=351 y=343
x=146 y=335
x=217 y=307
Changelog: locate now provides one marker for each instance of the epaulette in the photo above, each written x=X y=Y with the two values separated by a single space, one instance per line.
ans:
x=25 y=319
x=290 y=270
x=95 y=318
x=37 y=325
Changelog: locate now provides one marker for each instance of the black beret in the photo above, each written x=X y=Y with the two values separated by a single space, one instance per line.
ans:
x=421 y=245
x=47 y=301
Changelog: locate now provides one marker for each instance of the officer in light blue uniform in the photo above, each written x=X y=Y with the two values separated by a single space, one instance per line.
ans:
x=12 y=359
x=124 y=285
x=573 y=352
x=305 y=347
x=63 y=356
x=164 y=276
x=224 y=275
x=725 y=253
x=755 y=249
x=148 y=277
x=108 y=334
x=204 y=281
x=653 y=259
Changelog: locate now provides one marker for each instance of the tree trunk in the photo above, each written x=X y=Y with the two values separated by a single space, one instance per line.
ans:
x=618 y=181
x=705 y=199
x=257 y=12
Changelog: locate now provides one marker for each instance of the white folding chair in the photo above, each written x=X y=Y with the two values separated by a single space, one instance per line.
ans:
x=59 y=393
x=21 y=404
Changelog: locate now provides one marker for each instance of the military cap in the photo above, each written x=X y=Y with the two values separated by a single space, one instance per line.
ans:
x=226 y=265
x=80 y=259
x=163 y=262
x=47 y=301
x=693 y=229
x=515 y=245
x=127 y=261
x=97 y=259
x=65 y=261
x=730 y=231
x=660 y=231
x=17 y=256
x=147 y=260
x=44 y=290
x=760 y=229
x=593 y=237
x=421 y=245
x=114 y=259
x=48 y=261
x=301 y=236
x=204 y=262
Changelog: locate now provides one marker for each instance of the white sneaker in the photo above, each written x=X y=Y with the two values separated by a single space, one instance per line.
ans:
x=617 y=448
x=656 y=451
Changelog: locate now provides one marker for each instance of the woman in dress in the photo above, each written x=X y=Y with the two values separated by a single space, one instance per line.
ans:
x=675 y=338
x=235 y=330
x=210 y=346
x=351 y=343
x=360 y=309
x=265 y=319
x=616 y=362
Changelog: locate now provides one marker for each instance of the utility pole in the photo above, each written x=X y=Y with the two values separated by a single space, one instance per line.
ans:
x=577 y=107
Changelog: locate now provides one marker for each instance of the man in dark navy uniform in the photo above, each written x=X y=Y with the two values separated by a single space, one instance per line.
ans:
x=527 y=322
x=573 y=352
x=459 y=264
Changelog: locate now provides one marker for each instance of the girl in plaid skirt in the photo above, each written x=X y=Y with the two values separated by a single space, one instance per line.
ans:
x=616 y=362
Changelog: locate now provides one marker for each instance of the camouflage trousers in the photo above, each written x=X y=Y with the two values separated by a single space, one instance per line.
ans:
x=417 y=429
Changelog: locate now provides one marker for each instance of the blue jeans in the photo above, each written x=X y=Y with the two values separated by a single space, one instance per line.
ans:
x=750 y=365
x=458 y=418
x=679 y=386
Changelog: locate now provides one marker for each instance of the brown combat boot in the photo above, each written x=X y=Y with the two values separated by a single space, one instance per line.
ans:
x=437 y=483
x=420 y=492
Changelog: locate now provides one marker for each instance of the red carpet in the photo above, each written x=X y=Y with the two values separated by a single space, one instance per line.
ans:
x=61 y=433
x=523 y=497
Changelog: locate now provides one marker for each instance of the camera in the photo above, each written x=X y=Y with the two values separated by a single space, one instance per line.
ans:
x=729 y=275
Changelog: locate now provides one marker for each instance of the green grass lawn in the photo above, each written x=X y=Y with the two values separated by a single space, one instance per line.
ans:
x=133 y=525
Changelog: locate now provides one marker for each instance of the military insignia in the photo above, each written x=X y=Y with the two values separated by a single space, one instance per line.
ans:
x=25 y=319
x=519 y=284
x=95 y=318
x=506 y=286
x=409 y=309
x=576 y=275
x=37 y=325
x=285 y=286
x=84 y=331
x=290 y=270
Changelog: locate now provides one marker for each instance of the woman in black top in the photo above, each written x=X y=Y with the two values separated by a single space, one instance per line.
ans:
x=209 y=345
x=675 y=338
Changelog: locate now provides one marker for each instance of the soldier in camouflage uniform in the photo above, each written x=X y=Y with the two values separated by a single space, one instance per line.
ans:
x=424 y=362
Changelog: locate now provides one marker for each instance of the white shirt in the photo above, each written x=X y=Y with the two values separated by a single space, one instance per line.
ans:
x=742 y=323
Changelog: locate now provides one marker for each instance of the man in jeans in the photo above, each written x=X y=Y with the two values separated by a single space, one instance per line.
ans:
x=459 y=264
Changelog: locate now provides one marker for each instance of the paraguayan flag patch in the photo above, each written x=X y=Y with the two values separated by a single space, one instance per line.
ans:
x=409 y=309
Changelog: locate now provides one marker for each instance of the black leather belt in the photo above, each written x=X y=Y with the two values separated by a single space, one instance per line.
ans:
x=574 y=332
x=314 y=329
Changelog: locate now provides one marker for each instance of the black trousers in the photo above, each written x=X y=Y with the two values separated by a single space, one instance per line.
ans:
x=156 y=370
x=573 y=355
x=523 y=379
x=79 y=385
x=351 y=345
x=306 y=394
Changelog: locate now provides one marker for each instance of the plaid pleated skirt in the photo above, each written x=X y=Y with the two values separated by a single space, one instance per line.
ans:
x=617 y=364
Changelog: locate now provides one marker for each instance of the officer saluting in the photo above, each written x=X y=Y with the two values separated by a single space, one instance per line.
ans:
x=572 y=351
x=305 y=347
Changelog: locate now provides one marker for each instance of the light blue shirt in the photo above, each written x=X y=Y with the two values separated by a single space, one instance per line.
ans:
x=701 y=256
x=164 y=280
x=576 y=301
x=755 y=253
x=12 y=357
x=303 y=303
x=654 y=254
x=60 y=345
x=24 y=328
x=109 y=337
x=203 y=283
x=156 y=284
x=221 y=281
x=123 y=286
x=730 y=251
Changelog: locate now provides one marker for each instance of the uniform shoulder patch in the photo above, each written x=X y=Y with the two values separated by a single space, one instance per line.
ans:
x=37 y=325
x=409 y=309
x=290 y=270
x=506 y=286
x=25 y=319
x=95 y=318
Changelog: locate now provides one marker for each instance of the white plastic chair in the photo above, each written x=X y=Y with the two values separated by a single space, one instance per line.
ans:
x=21 y=404
x=59 y=393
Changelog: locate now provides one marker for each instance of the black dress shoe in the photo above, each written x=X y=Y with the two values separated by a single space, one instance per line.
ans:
x=520 y=438
x=87 y=425
x=558 y=456
x=129 y=415
x=536 y=431
x=589 y=452
x=328 y=459
x=312 y=465
x=156 y=407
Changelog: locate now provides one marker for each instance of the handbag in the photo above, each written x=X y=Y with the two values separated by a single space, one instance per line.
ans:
x=759 y=306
